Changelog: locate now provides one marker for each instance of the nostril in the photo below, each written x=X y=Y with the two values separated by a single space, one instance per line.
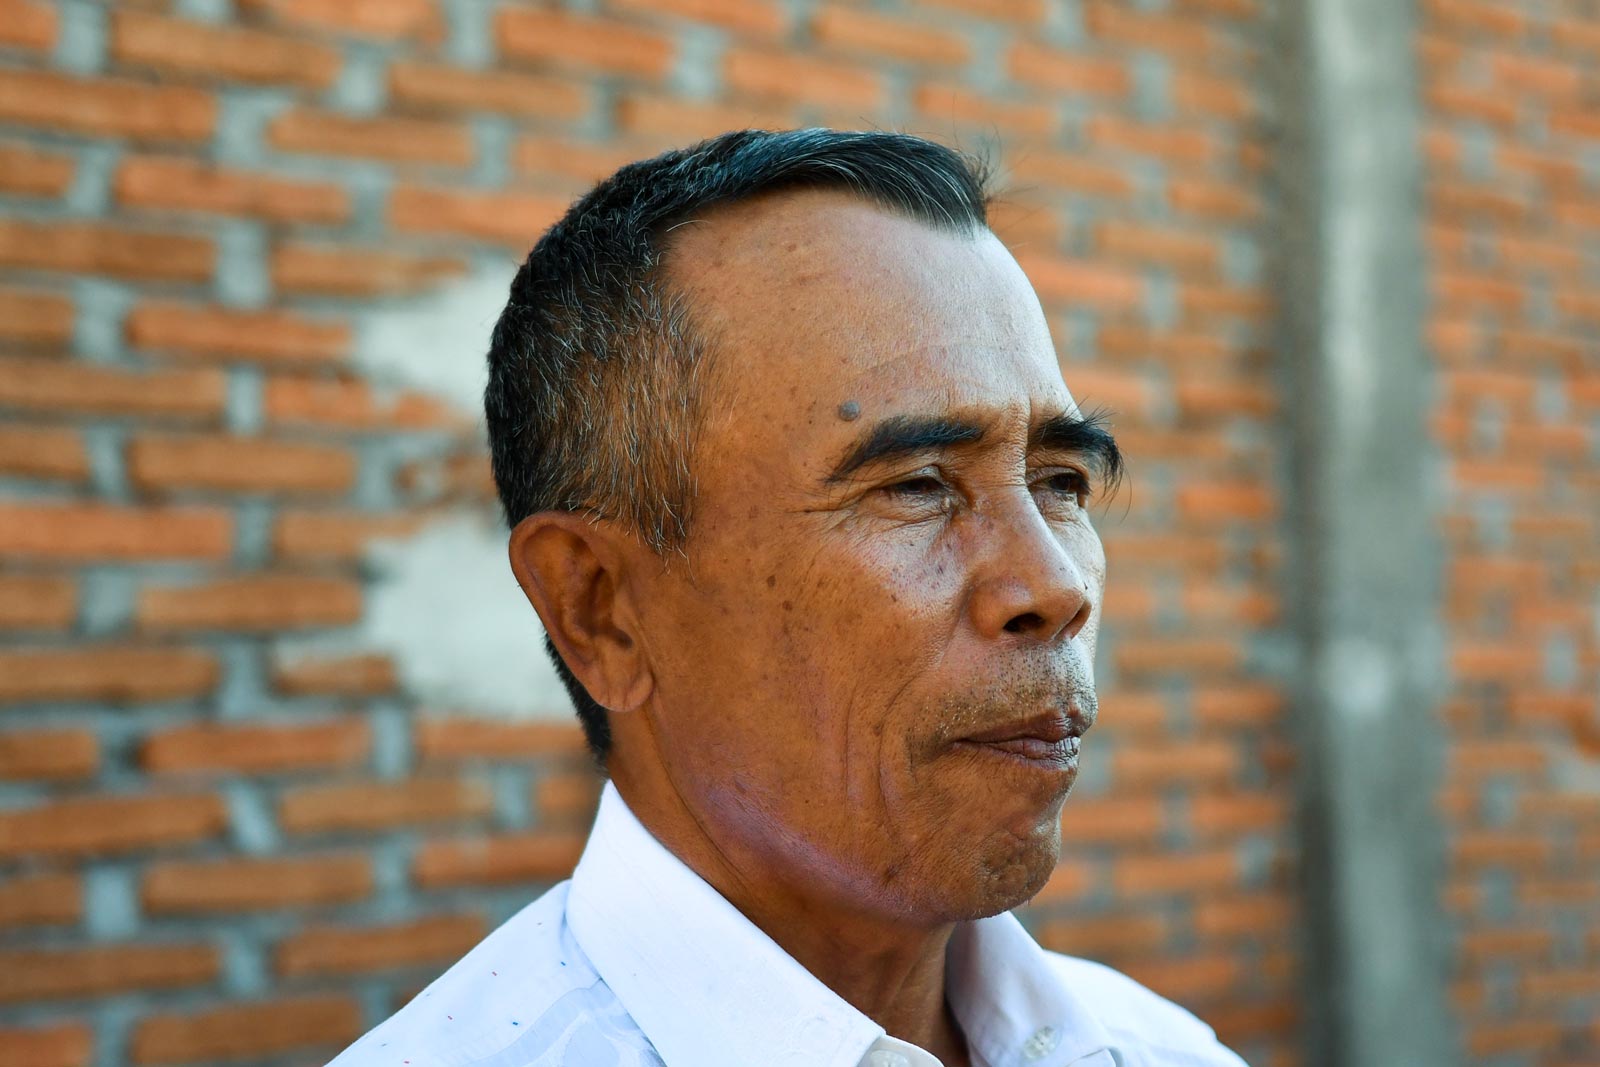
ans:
x=1026 y=621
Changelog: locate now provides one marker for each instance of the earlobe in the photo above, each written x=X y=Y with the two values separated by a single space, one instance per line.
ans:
x=572 y=571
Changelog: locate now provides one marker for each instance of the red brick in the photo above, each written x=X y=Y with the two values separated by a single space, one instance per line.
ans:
x=142 y=39
x=1189 y=979
x=1532 y=1036
x=105 y=107
x=1571 y=983
x=1026 y=12
x=567 y=798
x=247 y=1031
x=256 y=749
x=1162 y=552
x=34 y=319
x=1185 y=251
x=1070 y=172
x=1125 y=602
x=758 y=18
x=563 y=162
x=1070 y=881
x=1241 y=705
x=383 y=19
x=1481 y=945
x=238 y=465
x=1100 y=936
x=1197 y=93
x=106 y=825
x=1115 y=21
x=535 y=857
x=356 y=405
x=167 y=183
x=1230 y=814
x=1081 y=282
x=400 y=140
x=186 y=888
x=1202 y=301
x=1496 y=756
x=802 y=79
x=1020 y=224
x=458 y=738
x=1460 y=201
x=880 y=37
x=112 y=673
x=98 y=531
x=446 y=90
x=44 y=974
x=1469 y=17
x=582 y=42
x=337 y=535
x=215 y=333
x=1176 y=143
x=95 y=248
x=1181 y=348
x=1489 y=106
x=1208 y=501
x=1537 y=75
x=26 y=24
x=656 y=116
x=1180 y=873
x=372 y=806
x=66 y=1045
x=344 y=951
x=1205 y=396
x=1511 y=849
x=52 y=898
x=1056 y=71
x=253 y=603
x=1261 y=916
x=1167 y=655
x=509 y=218
x=27 y=172
x=1225 y=201
x=36 y=601
x=43 y=452
x=340 y=676
x=1576 y=34
x=1239 y=1024
x=66 y=386
x=944 y=104
x=58 y=755
x=1131 y=714
x=1156 y=765
x=1122 y=819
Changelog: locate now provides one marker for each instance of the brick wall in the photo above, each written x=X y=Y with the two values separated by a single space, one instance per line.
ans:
x=1513 y=228
x=211 y=851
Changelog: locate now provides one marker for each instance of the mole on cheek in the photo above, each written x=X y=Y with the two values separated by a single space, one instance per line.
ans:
x=849 y=411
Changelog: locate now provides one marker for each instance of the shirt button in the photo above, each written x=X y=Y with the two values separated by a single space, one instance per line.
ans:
x=885 y=1058
x=1041 y=1044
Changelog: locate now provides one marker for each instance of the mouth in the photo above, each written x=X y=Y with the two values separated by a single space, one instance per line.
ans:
x=1045 y=741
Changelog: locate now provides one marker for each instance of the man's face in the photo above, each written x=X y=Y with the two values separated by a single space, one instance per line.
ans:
x=889 y=558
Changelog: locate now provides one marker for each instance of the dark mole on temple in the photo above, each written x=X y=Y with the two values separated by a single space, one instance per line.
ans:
x=849 y=411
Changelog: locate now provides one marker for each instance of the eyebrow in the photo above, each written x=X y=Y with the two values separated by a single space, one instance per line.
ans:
x=909 y=435
x=905 y=435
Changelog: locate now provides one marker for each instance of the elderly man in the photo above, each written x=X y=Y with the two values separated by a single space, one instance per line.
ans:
x=801 y=498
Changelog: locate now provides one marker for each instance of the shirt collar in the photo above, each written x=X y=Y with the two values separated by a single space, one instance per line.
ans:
x=710 y=989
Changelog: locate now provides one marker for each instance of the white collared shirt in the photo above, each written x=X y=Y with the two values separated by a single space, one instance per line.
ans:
x=637 y=962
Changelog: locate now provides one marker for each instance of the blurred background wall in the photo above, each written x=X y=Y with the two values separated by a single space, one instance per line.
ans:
x=277 y=741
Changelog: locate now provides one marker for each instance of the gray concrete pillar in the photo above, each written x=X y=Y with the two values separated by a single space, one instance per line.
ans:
x=1364 y=565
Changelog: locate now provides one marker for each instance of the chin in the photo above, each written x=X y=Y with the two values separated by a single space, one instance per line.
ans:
x=1004 y=874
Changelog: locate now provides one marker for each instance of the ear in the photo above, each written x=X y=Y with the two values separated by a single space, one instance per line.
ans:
x=572 y=570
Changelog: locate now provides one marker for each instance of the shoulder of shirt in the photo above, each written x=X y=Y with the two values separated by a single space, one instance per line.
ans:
x=1163 y=1033
x=501 y=994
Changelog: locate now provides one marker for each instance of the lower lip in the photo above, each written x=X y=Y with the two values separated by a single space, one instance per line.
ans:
x=1033 y=753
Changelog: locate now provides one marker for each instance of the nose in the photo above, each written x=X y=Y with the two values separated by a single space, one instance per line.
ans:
x=1029 y=583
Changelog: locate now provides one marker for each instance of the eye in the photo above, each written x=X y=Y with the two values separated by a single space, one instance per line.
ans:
x=917 y=485
x=1066 y=485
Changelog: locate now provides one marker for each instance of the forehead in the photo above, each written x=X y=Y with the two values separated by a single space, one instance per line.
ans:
x=815 y=299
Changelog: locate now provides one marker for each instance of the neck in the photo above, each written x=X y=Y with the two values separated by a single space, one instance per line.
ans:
x=892 y=972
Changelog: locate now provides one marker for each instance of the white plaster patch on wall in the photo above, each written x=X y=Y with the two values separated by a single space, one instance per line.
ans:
x=436 y=342
x=445 y=606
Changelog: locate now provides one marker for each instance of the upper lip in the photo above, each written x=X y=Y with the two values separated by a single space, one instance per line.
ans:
x=1053 y=727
